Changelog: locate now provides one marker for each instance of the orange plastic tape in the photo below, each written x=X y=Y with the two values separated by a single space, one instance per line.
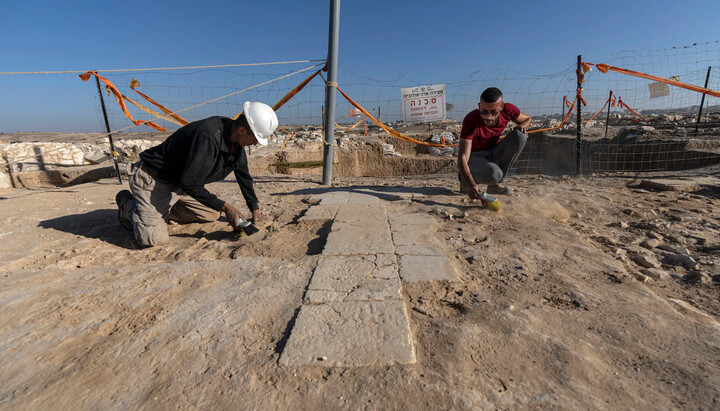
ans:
x=150 y=111
x=562 y=123
x=294 y=91
x=86 y=76
x=601 y=110
x=290 y=94
x=581 y=98
x=134 y=83
x=388 y=129
x=351 y=127
x=622 y=104
x=606 y=67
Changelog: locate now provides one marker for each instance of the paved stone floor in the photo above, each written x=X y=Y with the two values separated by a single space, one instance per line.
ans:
x=353 y=312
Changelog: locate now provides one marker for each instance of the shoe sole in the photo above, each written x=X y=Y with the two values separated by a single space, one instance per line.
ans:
x=121 y=199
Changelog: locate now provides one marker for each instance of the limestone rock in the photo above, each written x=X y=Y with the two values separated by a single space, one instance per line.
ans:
x=698 y=277
x=634 y=249
x=96 y=156
x=676 y=239
x=645 y=261
x=674 y=249
x=641 y=277
x=680 y=259
x=655 y=273
x=620 y=224
x=651 y=243
x=5 y=181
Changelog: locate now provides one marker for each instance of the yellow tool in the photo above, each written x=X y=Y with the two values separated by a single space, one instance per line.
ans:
x=490 y=202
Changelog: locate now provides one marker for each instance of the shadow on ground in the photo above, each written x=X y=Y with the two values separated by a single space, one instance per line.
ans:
x=99 y=224
x=383 y=192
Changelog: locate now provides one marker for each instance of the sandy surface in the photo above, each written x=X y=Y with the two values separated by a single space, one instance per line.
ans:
x=548 y=311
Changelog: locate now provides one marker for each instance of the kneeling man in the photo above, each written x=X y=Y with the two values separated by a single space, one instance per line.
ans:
x=483 y=157
x=169 y=180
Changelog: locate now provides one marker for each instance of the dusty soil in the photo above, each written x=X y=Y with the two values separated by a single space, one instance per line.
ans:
x=548 y=312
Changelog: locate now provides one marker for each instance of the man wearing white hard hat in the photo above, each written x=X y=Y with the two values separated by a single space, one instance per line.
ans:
x=168 y=183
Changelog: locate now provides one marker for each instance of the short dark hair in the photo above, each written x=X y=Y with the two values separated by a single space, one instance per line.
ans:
x=241 y=121
x=491 y=95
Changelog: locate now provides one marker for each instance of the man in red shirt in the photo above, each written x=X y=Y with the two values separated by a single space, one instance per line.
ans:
x=483 y=157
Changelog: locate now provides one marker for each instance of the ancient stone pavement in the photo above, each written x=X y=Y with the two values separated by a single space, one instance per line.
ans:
x=353 y=312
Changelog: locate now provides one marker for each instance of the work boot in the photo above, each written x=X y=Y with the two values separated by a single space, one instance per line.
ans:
x=122 y=199
x=499 y=189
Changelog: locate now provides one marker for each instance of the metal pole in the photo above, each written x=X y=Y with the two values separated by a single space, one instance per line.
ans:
x=563 y=107
x=379 y=119
x=330 y=86
x=107 y=128
x=702 y=102
x=578 y=108
x=607 y=121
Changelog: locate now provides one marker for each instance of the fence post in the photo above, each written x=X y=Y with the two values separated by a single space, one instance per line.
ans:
x=378 y=117
x=702 y=102
x=107 y=128
x=607 y=121
x=578 y=108
x=330 y=86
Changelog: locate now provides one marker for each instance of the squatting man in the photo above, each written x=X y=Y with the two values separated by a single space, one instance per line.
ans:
x=483 y=157
x=168 y=183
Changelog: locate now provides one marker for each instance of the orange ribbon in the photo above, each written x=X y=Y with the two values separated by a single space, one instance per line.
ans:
x=110 y=86
x=388 y=129
x=562 y=123
x=606 y=67
x=134 y=83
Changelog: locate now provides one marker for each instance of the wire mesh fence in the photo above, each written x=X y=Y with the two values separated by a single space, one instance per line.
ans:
x=627 y=124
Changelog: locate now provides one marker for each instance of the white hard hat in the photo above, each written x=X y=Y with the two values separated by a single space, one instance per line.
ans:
x=262 y=120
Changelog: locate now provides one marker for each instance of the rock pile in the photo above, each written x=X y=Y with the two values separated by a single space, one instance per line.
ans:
x=660 y=256
x=443 y=138
x=34 y=156
x=389 y=150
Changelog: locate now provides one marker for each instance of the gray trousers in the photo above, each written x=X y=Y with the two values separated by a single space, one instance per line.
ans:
x=156 y=203
x=491 y=166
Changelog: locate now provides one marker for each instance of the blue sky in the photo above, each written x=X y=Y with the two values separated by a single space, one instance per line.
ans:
x=426 y=41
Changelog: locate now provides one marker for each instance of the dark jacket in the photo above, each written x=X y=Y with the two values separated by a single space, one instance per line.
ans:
x=201 y=153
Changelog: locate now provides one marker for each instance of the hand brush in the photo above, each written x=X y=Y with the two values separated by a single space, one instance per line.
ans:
x=246 y=227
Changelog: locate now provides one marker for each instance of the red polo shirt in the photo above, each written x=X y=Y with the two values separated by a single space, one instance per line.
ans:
x=482 y=136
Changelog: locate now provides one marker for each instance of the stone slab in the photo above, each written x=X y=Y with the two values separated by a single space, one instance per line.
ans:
x=334 y=198
x=671 y=184
x=350 y=334
x=418 y=249
x=342 y=273
x=351 y=239
x=362 y=198
x=392 y=195
x=412 y=235
x=414 y=268
x=354 y=278
x=367 y=289
x=363 y=214
x=320 y=212
x=316 y=198
x=411 y=219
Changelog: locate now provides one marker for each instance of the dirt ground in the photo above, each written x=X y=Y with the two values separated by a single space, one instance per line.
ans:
x=549 y=313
